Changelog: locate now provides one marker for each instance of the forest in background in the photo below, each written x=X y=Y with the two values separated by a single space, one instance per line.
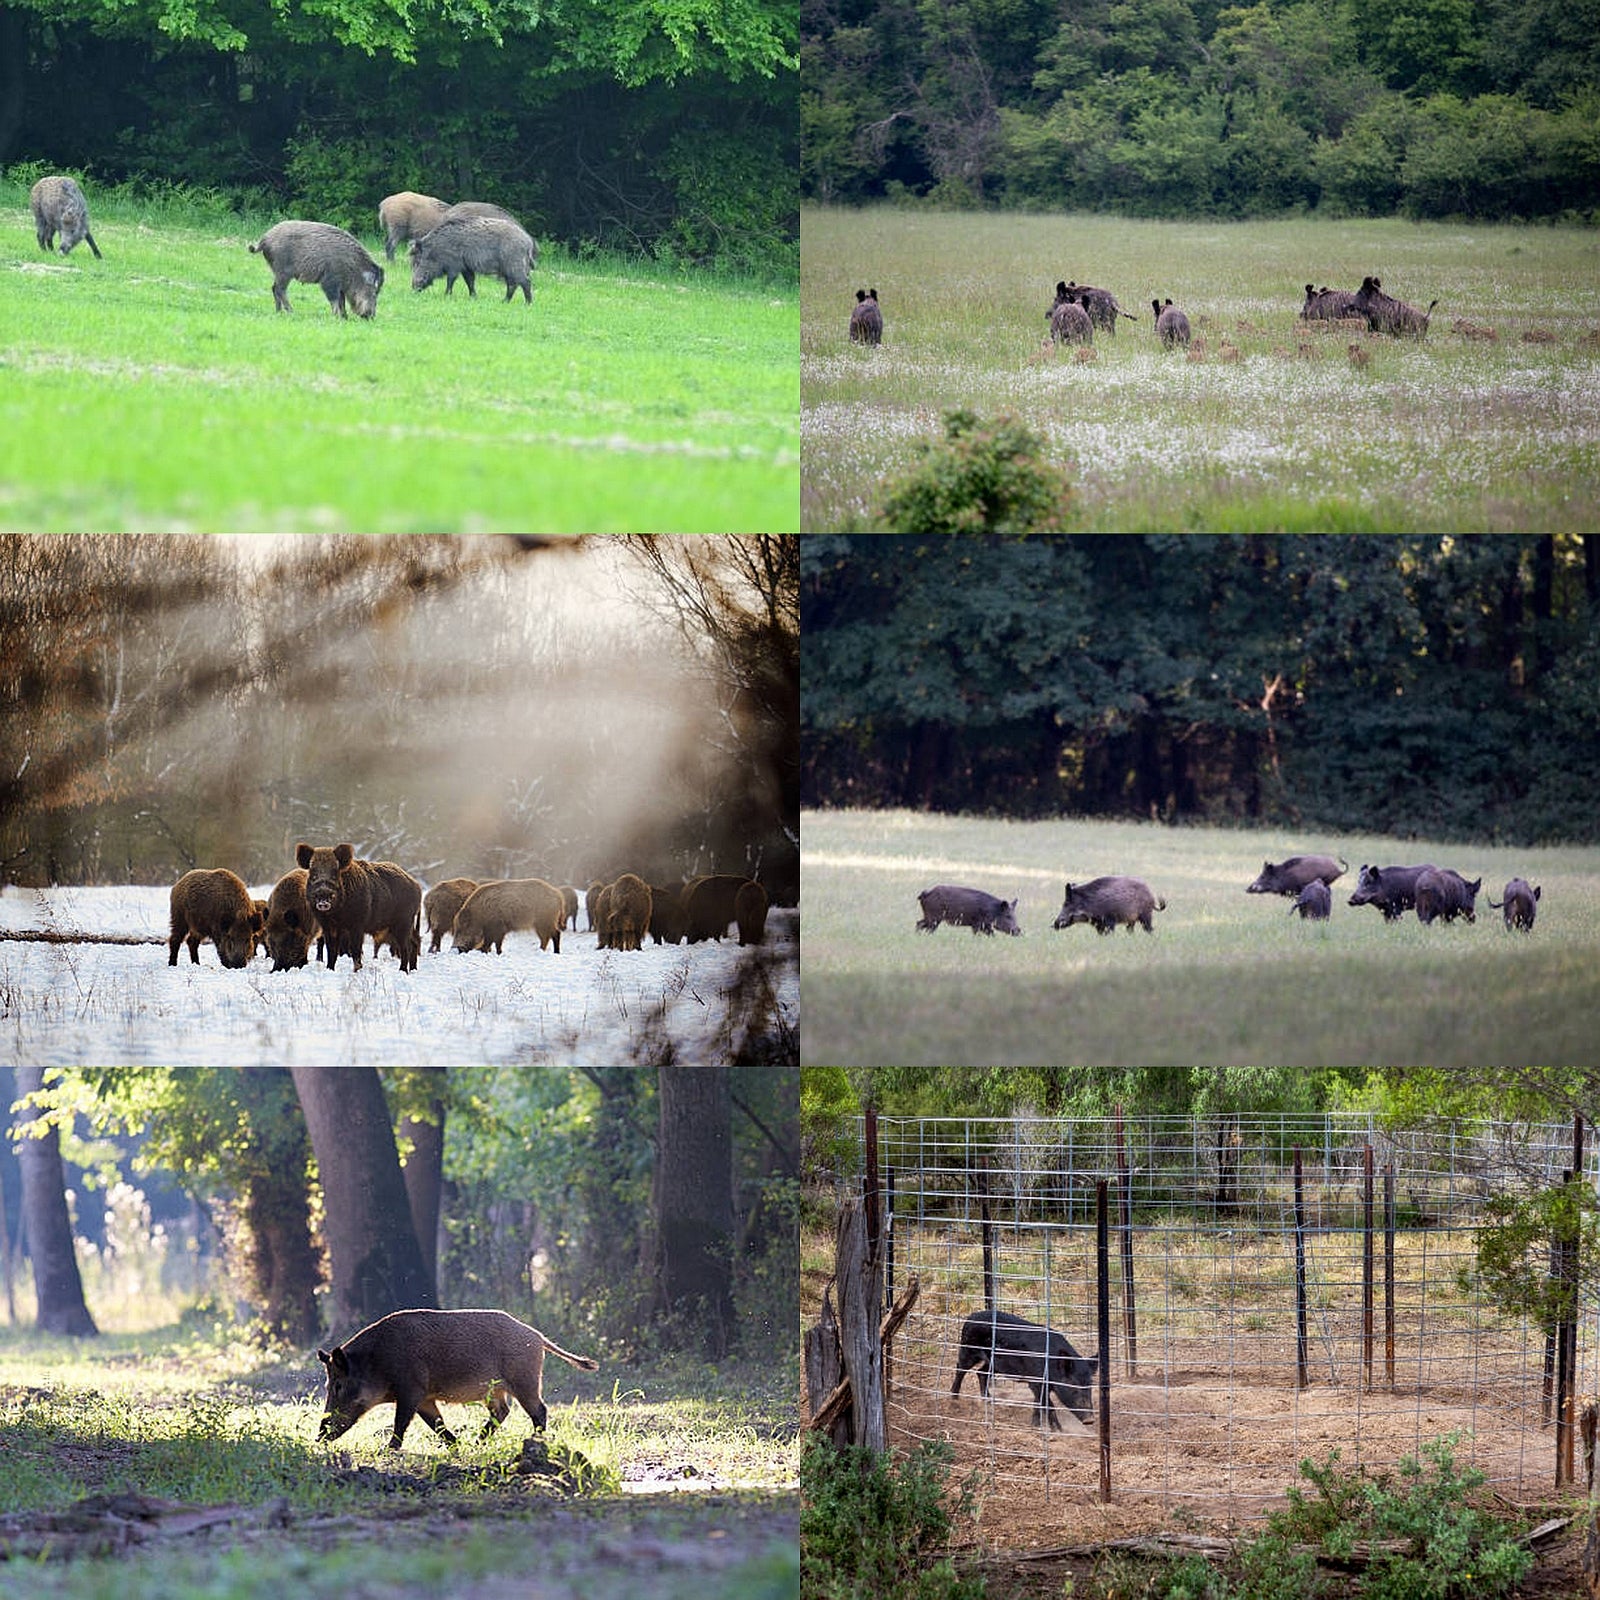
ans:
x=1183 y=108
x=1400 y=685
x=655 y=127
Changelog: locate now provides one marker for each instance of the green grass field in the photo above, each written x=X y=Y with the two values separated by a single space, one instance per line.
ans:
x=157 y=389
x=1226 y=979
x=1452 y=434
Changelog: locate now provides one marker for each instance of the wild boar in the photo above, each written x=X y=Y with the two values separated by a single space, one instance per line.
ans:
x=708 y=905
x=214 y=904
x=666 y=913
x=569 y=907
x=1518 y=904
x=418 y=1358
x=1443 y=893
x=351 y=899
x=1001 y=1345
x=1291 y=876
x=1069 y=321
x=630 y=912
x=290 y=924
x=1327 y=305
x=591 y=895
x=441 y=903
x=1105 y=902
x=966 y=908
x=750 y=912
x=1385 y=314
x=59 y=207
x=406 y=216
x=510 y=906
x=1172 y=326
x=462 y=247
x=1315 y=901
x=317 y=252
x=600 y=917
x=866 y=320
x=1392 y=889
x=1101 y=304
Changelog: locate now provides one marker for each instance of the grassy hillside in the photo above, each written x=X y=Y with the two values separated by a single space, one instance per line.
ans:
x=158 y=389
x=1227 y=978
x=1453 y=434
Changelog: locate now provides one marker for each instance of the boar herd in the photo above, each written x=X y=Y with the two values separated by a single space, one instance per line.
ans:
x=336 y=900
x=447 y=241
x=1436 y=894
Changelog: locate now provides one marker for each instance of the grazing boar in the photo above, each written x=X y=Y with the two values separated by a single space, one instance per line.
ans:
x=866 y=320
x=630 y=912
x=214 y=904
x=1069 y=321
x=418 y=1358
x=600 y=917
x=1518 y=904
x=1385 y=314
x=1443 y=893
x=513 y=905
x=569 y=906
x=317 y=252
x=1001 y=1345
x=966 y=908
x=290 y=924
x=1314 y=902
x=441 y=903
x=708 y=906
x=750 y=912
x=465 y=246
x=406 y=216
x=1392 y=889
x=591 y=894
x=1327 y=305
x=351 y=899
x=1291 y=876
x=1101 y=304
x=666 y=913
x=1105 y=902
x=59 y=207
x=1172 y=326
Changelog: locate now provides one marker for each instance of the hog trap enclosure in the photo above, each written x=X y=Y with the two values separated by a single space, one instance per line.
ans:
x=1272 y=1288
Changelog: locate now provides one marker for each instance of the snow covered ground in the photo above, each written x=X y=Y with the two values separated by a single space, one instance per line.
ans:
x=99 y=1004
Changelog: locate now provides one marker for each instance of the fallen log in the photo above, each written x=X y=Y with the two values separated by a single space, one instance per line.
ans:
x=51 y=936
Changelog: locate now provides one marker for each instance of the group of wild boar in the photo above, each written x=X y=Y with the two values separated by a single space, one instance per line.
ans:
x=447 y=241
x=1107 y=903
x=337 y=900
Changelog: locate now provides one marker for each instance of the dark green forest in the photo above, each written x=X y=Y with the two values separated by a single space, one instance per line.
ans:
x=665 y=127
x=1394 y=684
x=1168 y=108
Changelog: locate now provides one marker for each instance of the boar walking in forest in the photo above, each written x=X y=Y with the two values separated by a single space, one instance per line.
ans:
x=1518 y=904
x=415 y=1359
x=351 y=899
x=510 y=906
x=214 y=904
x=1105 y=903
x=966 y=908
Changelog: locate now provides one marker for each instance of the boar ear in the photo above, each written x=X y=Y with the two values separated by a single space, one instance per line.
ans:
x=325 y=1358
x=1537 y=891
x=302 y=855
x=344 y=854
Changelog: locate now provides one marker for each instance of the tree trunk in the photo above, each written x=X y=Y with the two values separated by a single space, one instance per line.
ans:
x=48 y=1226
x=283 y=1262
x=373 y=1253
x=694 y=1197
x=424 y=1173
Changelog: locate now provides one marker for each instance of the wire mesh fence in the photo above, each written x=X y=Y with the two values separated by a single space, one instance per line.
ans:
x=1246 y=1331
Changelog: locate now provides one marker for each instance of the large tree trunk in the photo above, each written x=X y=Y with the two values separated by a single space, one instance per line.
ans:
x=375 y=1260
x=694 y=1197
x=424 y=1173
x=284 y=1268
x=48 y=1226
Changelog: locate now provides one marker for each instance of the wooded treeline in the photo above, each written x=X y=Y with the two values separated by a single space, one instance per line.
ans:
x=1169 y=108
x=458 y=706
x=667 y=128
x=649 y=1205
x=1406 y=685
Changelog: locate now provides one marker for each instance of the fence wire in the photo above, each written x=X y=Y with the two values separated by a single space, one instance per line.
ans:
x=1207 y=1403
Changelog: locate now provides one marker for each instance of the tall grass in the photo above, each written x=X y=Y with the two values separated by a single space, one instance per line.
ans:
x=1227 y=978
x=158 y=389
x=1452 y=434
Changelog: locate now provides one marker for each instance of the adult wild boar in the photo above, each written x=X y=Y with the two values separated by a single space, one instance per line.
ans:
x=1101 y=304
x=1393 y=890
x=591 y=895
x=1069 y=321
x=1328 y=305
x=708 y=905
x=1172 y=326
x=1443 y=893
x=866 y=320
x=569 y=907
x=408 y=216
x=1001 y=1345
x=462 y=247
x=630 y=911
x=966 y=908
x=1291 y=876
x=59 y=207
x=510 y=906
x=1315 y=902
x=1105 y=902
x=1518 y=904
x=418 y=1358
x=351 y=899
x=441 y=903
x=600 y=918
x=750 y=912
x=666 y=913
x=290 y=924
x=317 y=252
x=213 y=903
x=1385 y=314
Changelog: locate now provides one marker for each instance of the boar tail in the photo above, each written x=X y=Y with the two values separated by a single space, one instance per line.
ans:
x=1161 y=905
x=588 y=1363
x=1344 y=866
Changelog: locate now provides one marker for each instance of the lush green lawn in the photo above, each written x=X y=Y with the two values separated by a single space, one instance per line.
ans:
x=158 y=389
x=1453 y=434
x=1227 y=978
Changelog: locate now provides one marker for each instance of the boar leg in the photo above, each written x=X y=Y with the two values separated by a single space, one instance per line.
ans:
x=499 y=1408
x=428 y=1410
